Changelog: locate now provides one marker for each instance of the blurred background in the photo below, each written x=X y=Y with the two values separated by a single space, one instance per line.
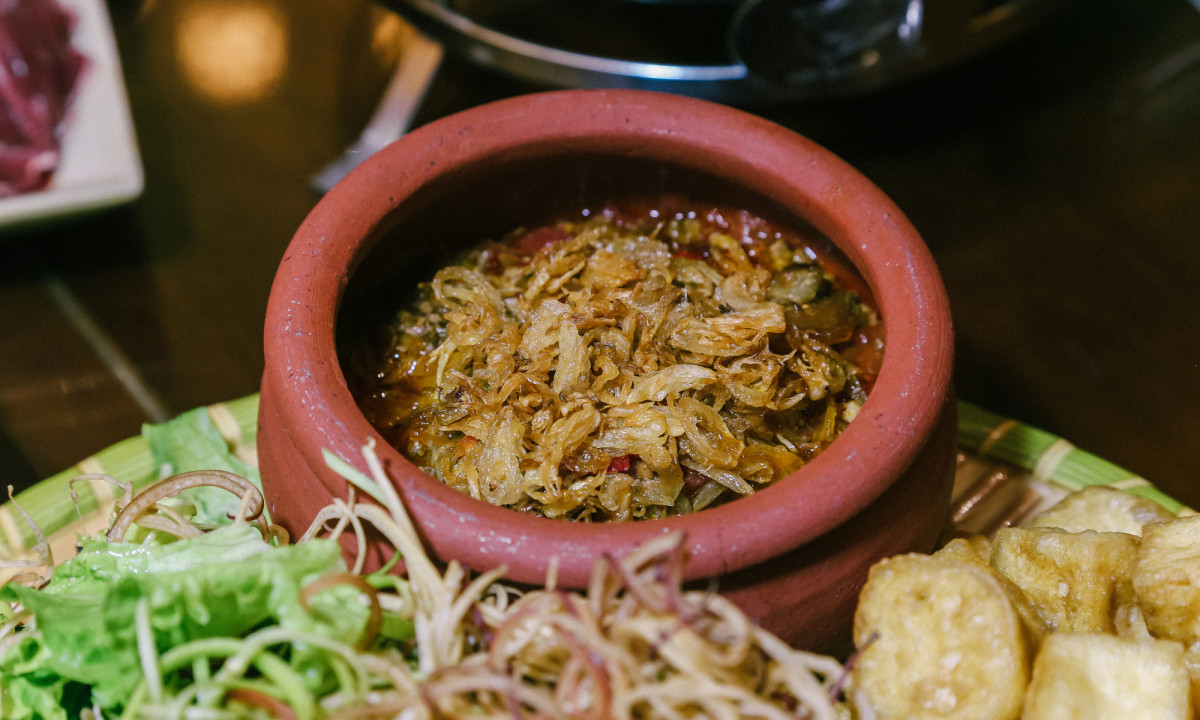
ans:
x=1048 y=152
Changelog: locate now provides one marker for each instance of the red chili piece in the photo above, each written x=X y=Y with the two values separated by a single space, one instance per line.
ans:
x=620 y=464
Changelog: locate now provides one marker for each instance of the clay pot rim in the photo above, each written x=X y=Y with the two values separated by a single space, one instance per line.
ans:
x=877 y=447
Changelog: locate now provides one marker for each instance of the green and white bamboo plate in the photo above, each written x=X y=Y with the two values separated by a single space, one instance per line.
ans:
x=1006 y=471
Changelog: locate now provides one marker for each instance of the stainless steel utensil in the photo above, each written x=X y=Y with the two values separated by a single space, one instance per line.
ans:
x=415 y=70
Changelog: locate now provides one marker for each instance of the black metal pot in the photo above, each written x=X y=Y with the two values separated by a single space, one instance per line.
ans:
x=725 y=50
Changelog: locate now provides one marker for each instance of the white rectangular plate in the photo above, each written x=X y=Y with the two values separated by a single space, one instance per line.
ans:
x=100 y=165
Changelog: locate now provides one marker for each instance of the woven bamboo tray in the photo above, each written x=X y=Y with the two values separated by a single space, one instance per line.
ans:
x=79 y=501
x=1006 y=471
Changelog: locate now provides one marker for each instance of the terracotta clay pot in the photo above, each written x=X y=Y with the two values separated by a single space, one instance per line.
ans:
x=793 y=555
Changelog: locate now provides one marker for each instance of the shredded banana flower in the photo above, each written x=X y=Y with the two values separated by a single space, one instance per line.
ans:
x=635 y=644
x=617 y=369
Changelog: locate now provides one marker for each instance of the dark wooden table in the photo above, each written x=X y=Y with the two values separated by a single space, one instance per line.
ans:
x=1056 y=180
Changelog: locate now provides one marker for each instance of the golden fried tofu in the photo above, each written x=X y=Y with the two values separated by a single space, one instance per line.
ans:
x=976 y=549
x=1094 y=676
x=1166 y=578
x=938 y=637
x=965 y=549
x=1102 y=509
x=1076 y=582
x=1191 y=660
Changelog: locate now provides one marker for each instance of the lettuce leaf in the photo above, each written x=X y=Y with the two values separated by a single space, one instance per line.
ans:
x=229 y=582
x=28 y=690
x=190 y=442
x=221 y=584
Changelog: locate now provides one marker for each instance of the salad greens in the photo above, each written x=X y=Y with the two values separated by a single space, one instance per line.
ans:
x=191 y=442
x=114 y=621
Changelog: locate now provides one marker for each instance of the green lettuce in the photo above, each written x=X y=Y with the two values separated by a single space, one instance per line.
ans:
x=190 y=442
x=224 y=583
x=227 y=583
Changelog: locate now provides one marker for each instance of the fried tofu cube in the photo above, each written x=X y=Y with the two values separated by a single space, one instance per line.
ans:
x=1166 y=578
x=976 y=549
x=1102 y=509
x=1104 y=677
x=965 y=549
x=1191 y=659
x=1077 y=582
x=938 y=638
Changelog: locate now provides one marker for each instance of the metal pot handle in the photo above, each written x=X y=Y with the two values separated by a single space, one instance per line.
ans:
x=824 y=42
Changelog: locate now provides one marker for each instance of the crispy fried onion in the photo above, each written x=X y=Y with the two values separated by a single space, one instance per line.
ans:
x=586 y=380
